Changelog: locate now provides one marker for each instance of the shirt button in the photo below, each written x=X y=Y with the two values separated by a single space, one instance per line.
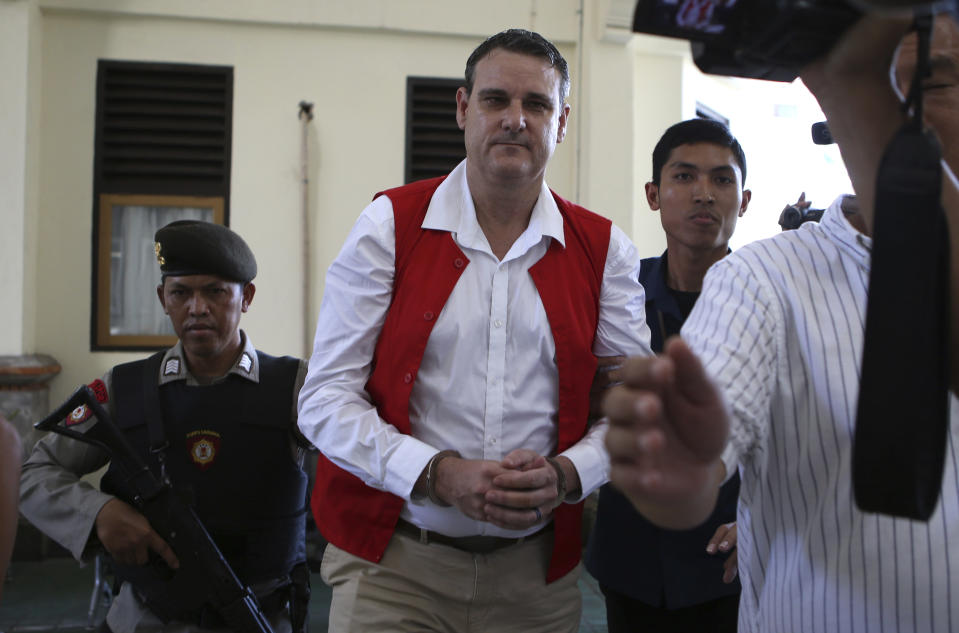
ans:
x=427 y=316
x=408 y=378
x=458 y=262
x=498 y=323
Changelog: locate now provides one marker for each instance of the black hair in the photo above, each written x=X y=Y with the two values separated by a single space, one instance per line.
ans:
x=523 y=42
x=696 y=131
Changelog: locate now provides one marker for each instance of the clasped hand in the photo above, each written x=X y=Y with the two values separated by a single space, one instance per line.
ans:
x=515 y=493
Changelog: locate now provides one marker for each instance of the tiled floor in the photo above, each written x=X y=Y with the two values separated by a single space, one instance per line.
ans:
x=54 y=596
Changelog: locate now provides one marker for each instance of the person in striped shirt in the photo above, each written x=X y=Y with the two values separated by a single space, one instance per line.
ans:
x=766 y=381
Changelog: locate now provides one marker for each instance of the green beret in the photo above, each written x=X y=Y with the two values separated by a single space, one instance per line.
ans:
x=191 y=247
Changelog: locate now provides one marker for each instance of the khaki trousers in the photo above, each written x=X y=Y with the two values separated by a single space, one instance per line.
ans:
x=431 y=587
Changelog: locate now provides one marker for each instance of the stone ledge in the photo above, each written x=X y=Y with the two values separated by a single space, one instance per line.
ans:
x=29 y=369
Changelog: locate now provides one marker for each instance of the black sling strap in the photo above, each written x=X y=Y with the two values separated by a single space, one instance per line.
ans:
x=903 y=412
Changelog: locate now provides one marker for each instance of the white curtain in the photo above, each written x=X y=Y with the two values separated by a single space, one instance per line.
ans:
x=134 y=271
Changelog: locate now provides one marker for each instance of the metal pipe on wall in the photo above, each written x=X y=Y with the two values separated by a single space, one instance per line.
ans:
x=306 y=115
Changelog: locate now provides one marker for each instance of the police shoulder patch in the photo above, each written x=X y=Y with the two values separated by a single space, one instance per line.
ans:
x=99 y=390
x=172 y=367
x=79 y=415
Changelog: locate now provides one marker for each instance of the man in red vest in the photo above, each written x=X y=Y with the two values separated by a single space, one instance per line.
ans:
x=449 y=384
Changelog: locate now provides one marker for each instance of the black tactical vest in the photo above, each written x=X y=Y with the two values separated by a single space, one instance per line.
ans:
x=229 y=454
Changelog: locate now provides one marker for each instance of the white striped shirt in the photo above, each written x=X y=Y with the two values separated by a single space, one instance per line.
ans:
x=779 y=325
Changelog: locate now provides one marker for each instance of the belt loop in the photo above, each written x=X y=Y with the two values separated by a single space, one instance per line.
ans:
x=424 y=536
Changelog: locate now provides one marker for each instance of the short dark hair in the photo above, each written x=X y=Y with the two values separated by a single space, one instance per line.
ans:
x=523 y=42
x=695 y=131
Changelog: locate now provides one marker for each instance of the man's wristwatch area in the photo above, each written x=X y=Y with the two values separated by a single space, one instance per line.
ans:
x=431 y=476
x=561 y=487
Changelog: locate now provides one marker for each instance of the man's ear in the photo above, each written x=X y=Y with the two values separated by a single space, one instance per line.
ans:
x=462 y=102
x=563 y=119
x=652 y=195
x=162 y=298
x=248 y=291
x=747 y=196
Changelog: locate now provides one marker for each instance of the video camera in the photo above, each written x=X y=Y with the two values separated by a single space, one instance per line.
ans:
x=758 y=39
x=793 y=217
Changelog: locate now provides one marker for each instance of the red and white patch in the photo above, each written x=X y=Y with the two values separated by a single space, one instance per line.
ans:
x=79 y=415
x=203 y=447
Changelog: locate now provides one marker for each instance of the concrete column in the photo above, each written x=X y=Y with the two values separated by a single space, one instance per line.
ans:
x=25 y=393
x=19 y=86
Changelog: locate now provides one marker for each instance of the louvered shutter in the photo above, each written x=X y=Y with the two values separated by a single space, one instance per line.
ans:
x=434 y=142
x=162 y=143
x=163 y=129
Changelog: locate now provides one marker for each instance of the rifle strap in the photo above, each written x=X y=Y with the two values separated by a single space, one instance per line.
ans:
x=151 y=410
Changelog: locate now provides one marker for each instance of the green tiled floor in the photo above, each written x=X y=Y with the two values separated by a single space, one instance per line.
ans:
x=54 y=595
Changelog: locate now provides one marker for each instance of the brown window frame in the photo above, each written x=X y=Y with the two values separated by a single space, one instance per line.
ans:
x=163 y=138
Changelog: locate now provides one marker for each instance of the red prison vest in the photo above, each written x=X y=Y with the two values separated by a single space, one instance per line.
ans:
x=360 y=519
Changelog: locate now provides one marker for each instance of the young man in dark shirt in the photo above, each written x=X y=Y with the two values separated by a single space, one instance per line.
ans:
x=654 y=579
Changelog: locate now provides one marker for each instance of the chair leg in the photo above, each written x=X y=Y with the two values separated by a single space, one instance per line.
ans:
x=102 y=593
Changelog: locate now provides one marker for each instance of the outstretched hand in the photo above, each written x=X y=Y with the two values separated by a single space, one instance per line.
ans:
x=802 y=204
x=668 y=427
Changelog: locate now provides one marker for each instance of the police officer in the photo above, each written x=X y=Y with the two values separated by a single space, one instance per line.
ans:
x=212 y=413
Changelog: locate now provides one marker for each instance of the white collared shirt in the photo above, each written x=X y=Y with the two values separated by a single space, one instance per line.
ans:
x=488 y=382
x=779 y=325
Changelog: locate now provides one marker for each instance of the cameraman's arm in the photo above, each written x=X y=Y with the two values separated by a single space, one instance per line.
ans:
x=853 y=87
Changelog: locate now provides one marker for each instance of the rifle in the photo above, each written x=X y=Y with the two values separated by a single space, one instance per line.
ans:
x=204 y=578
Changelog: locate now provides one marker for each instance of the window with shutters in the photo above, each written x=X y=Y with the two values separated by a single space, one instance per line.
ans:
x=162 y=153
x=434 y=142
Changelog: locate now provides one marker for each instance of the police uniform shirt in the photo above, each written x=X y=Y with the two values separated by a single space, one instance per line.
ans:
x=55 y=496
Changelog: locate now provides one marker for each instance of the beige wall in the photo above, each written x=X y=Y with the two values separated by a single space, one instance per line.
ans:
x=19 y=99
x=658 y=71
x=351 y=59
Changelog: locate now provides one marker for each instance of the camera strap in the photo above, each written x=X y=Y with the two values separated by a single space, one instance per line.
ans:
x=902 y=419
